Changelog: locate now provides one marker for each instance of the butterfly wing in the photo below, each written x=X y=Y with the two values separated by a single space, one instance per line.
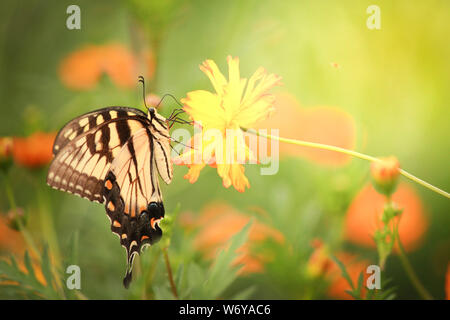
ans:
x=133 y=197
x=85 y=148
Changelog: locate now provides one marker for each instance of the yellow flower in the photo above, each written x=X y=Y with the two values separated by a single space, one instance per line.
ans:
x=236 y=103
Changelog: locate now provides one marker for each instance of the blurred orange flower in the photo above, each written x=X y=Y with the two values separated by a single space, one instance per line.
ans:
x=354 y=267
x=11 y=241
x=321 y=264
x=218 y=222
x=236 y=103
x=327 y=125
x=35 y=150
x=82 y=69
x=364 y=216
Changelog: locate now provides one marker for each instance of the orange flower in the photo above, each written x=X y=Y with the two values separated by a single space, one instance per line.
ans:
x=364 y=216
x=235 y=104
x=321 y=264
x=219 y=222
x=327 y=125
x=35 y=150
x=338 y=284
x=82 y=69
x=10 y=240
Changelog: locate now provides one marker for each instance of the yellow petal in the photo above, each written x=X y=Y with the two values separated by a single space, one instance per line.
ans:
x=217 y=79
x=194 y=172
x=233 y=89
x=239 y=180
x=204 y=107
x=256 y=90
x=258 y=111
x=223 y=170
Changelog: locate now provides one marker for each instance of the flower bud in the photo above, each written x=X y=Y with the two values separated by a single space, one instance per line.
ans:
x=385 y=174
x=15 y=218
x=6 y=147
x=319 y=262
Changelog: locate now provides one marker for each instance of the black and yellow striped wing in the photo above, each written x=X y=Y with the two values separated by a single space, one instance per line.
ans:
x=86 y=146
x=133 y=197
x=113 y=156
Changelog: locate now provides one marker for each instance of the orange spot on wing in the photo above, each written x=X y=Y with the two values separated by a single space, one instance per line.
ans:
x=153 y=221
x=116 y=224
x=144 y=237
x=108 y=184
x=111 y=206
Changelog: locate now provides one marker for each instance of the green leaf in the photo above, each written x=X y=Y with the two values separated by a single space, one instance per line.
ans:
x=45 y=266
x=222 y=274
x=343 y=271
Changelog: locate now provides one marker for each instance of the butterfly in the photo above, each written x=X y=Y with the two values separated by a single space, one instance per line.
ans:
x=114 y=156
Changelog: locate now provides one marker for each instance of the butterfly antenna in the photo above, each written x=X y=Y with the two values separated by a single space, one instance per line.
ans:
x=185 y=145
x=169 y=95
x=174 y=149
x=141 y=80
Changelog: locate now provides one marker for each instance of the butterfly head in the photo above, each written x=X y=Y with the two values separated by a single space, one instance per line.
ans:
x=151 y=112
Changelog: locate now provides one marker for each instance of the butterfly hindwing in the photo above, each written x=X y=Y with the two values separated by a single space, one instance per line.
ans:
x=133 y=197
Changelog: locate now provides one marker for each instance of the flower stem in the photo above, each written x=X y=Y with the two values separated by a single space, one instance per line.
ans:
x=26 y=235
x=350 y=153
x=169 y=271
x=409 y=269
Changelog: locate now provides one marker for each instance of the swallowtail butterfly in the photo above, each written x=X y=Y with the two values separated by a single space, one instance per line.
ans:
x=113 y=156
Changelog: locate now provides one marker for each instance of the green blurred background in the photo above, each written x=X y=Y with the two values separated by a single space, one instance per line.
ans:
x=394 y=82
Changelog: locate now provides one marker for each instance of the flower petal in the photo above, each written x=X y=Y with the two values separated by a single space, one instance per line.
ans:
x=204 y=107
x=194 y=172
x=209 y=67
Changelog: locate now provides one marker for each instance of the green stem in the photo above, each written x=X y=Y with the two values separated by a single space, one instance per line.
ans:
x=26 y=235
x=410 y=271
x=350 y=153
x=169 y=271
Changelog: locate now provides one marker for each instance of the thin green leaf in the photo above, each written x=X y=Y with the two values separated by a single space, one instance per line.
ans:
x=343 y=271
x=45 y=266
